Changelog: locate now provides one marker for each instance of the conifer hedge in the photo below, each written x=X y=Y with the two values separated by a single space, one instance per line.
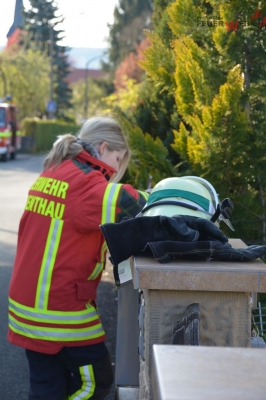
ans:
x=42 y=134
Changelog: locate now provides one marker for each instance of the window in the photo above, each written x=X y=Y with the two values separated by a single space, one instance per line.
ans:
x=2 y=117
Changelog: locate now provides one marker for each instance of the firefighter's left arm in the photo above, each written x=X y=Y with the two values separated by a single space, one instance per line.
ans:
x=129 y=202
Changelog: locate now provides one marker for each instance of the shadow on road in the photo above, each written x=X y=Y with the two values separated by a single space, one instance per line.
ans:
x=7 y=252
x=14 y=374
x=24 y=162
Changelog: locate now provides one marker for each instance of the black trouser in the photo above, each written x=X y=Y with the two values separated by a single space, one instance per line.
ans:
x=74 y=373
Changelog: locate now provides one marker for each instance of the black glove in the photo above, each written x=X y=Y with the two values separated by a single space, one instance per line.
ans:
x=130 y=236
x=227 y=253
x=207 y=229
x=170 y=250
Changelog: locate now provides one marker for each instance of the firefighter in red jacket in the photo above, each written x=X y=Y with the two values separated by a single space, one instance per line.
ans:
x=59 y=261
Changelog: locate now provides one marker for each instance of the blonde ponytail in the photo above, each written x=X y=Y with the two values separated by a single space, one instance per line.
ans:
x=65 y=147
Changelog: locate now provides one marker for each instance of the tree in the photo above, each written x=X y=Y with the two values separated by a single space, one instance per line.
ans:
x=63 y=92
x=220 y=79
x=40 y=25
x=97 y=92
x=130 y=18
x=25 y=75
x=206 y=81
x=154 y=111
x=161 y=19
x=149 y=156
x=129 y=68
x=126 y=99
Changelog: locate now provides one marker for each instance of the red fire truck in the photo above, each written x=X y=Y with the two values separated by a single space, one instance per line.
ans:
x=10 y=135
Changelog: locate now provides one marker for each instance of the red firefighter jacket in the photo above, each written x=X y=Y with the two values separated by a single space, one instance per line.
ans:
x=61 y=254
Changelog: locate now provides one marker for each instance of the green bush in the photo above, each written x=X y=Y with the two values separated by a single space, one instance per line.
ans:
x=45 y=132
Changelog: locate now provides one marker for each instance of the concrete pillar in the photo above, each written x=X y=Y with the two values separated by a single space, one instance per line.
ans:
x=222 y=290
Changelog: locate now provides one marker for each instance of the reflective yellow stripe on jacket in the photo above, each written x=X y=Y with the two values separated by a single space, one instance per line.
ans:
x=108 y=215
x=48 y=261
x=53 y=332
x=57 y=317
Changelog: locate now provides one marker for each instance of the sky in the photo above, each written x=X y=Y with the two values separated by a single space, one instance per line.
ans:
x=85 y=22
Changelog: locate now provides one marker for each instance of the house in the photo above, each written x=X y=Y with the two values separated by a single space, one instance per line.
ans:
x=77 y=74
x=16 y=28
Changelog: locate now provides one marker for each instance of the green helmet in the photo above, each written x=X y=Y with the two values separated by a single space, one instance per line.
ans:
x=188 y=195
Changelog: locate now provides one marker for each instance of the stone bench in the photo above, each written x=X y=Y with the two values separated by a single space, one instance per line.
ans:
x=208 y=373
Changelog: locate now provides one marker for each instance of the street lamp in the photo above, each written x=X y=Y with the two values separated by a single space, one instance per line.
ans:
x=51 y=50
x=86 y=103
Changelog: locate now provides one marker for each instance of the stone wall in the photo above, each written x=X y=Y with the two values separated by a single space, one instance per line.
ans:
x=224 y=321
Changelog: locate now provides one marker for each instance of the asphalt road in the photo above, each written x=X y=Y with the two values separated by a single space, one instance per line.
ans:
x=16 y=176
